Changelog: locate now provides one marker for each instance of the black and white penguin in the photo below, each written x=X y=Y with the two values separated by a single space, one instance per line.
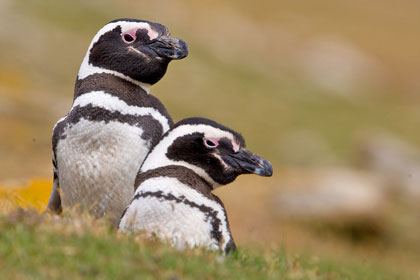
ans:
x=99 y=146
x=174 y=201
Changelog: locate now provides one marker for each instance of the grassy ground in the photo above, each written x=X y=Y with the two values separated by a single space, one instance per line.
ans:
x=36 y=246
x=43 y=247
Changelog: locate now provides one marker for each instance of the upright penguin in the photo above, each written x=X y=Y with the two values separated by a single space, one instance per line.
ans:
x=174 y=199
x=99 y=146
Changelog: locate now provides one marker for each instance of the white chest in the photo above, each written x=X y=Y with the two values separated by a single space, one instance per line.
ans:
x=97 y=163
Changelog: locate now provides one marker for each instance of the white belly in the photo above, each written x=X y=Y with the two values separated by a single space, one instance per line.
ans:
x=97 y=164
x=167 y=221
x=181 y=224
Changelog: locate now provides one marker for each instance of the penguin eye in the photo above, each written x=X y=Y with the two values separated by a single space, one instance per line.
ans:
x=128 y=38
x=211 y=143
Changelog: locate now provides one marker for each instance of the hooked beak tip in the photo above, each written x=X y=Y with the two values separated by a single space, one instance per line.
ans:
x=181 y=49
x=249 y=163
x=265 y=169
x=172 y=48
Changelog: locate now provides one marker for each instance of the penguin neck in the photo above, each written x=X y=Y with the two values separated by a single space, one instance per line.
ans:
x=109 y=83
x=183 y=174
x=156 y=159
x=87 y=69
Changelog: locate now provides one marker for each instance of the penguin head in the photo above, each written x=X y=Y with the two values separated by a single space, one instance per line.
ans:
x=213 y=151
x=134 y=49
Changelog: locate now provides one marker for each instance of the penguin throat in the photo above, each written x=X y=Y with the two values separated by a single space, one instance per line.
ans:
x=87 y=69
x=164 y=162
x=181 y=173
x=108 y=83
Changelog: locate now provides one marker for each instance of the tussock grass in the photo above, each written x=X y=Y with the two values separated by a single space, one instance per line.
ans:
x=71 y=246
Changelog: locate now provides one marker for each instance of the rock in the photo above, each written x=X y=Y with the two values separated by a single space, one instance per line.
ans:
x=338 y=65
x=331 y=194
x=305 y=147
x=346 y=202
x=393 y=160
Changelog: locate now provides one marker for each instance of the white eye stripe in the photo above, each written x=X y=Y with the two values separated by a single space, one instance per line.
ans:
x=208 y=131
x=132 y=34
x=127 y=26
x=214 y=142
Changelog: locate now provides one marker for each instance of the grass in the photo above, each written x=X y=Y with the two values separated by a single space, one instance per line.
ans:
x=42 y=246
x=34 y=246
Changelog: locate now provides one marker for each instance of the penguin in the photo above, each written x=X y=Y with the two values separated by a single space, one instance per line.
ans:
x=99 y=146
x=173 y=200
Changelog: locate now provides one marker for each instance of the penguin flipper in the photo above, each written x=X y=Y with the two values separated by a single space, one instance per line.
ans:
x=54 y=203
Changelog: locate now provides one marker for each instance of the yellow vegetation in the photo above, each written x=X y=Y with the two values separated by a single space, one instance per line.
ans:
x=33 y=194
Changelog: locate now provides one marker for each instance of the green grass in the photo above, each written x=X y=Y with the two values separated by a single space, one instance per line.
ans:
x=42 y=247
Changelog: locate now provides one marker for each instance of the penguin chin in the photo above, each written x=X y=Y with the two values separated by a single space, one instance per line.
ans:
x=151 y=77
x=224 y=178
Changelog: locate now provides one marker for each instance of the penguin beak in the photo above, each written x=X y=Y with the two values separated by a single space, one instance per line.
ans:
x=171 y=48
x=246 y=162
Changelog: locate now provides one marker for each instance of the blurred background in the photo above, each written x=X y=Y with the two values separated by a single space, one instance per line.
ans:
x=328 y=91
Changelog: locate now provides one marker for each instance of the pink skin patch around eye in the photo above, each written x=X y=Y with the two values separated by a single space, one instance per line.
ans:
x=211 y=142
x=132 y=32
